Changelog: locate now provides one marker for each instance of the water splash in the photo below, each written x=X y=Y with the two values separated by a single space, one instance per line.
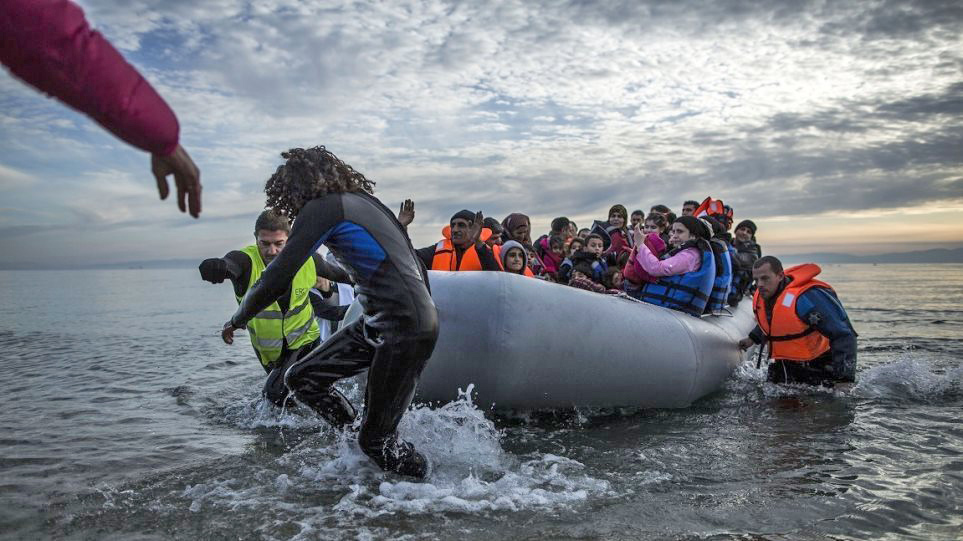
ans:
x=912 y=380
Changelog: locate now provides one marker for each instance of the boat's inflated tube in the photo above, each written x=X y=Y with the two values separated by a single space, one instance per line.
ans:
x=528 y=344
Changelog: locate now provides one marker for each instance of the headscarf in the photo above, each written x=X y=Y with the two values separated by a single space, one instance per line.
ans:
x=514 y=220
x=620 y=210
x=508 y=246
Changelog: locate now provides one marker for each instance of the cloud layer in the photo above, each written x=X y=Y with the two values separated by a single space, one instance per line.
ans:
x=797 y=109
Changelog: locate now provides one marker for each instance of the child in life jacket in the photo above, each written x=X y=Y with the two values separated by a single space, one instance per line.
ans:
x=592 y=256
x=580 y=279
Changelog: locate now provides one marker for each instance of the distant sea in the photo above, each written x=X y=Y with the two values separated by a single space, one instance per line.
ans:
x=939 y=255
x=124 y=416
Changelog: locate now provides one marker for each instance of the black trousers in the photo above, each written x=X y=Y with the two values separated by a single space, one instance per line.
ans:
x=274 y=388
x=394 y=364
x=814 y=372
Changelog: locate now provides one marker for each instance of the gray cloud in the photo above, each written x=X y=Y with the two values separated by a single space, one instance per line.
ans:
x=789 y=108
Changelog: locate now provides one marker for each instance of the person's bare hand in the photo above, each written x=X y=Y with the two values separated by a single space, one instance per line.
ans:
x=474 y=233
x=227 y=333
x=637 y=235
x=745 y=343
x=407 y=213
x=187 y=179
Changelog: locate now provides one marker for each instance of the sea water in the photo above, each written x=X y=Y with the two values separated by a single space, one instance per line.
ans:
x=124 y=416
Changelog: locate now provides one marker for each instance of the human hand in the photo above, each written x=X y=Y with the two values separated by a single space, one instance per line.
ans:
x=407 y=213
x=637 y=236
x=474 y=233
x=227 y=333
x=745 y=343
x=187 y=178
x=213 y=270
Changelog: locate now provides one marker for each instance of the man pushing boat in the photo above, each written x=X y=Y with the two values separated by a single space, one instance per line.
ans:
x=333 y=205
x=811 y=339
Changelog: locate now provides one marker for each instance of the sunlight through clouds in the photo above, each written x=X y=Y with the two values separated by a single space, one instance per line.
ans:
x=795 y=110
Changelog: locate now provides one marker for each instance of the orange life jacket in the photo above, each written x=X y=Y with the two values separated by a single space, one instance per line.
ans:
x=709 y=207
x=446 y=259
x=790 y=338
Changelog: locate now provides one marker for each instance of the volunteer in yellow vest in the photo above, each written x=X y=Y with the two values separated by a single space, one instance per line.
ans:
x=810 y=337
x=463 y=247
x=287 y=329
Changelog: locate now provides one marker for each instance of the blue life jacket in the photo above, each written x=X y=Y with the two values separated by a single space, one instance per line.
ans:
x=688 y=292
x=723 y=281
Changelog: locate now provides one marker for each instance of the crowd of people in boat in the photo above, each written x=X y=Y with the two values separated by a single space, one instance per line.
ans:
x=694 y=262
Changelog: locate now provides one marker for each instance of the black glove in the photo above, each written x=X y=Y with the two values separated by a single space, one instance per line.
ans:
x=213 y=270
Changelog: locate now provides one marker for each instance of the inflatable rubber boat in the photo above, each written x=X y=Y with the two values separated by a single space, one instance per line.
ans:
x=529 y=344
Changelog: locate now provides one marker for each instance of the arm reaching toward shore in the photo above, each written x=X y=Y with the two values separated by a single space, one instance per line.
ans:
x=49 y=45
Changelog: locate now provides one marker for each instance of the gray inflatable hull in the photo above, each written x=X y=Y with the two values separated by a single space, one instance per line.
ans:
x=528 y=344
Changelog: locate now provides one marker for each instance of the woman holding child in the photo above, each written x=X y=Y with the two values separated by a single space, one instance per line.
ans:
x=682 y=279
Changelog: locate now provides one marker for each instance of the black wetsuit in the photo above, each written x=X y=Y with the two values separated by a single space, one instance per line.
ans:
x=236 y=267
x=392 y=341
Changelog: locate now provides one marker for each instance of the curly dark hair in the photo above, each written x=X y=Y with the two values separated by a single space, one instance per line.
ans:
x=309 y=174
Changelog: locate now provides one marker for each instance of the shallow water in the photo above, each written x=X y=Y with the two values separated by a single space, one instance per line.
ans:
x=124 y=416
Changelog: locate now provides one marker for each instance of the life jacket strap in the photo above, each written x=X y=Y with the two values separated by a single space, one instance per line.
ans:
x=786 y=337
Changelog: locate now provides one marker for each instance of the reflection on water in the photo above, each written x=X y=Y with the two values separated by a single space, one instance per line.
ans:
x=124 y=416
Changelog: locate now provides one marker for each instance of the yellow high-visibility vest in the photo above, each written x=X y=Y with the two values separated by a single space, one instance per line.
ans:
x=271 y=329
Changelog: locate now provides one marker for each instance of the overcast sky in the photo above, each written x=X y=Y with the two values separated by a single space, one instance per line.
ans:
x=836 y=126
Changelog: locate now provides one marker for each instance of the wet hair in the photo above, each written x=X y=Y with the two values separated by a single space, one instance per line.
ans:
x=559 y=224
x=773 y=263
x=271 y=221
x=660 y=208
x=659 y=219
x=309 y=174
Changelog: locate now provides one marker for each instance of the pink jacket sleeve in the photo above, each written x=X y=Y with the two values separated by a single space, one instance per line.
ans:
x=687 y=260
x=49 y=44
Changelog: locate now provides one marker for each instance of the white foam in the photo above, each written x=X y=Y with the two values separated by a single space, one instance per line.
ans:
x=909 y=378
x=470 y=471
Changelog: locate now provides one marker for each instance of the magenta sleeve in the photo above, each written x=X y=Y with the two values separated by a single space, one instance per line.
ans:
x=49 y=45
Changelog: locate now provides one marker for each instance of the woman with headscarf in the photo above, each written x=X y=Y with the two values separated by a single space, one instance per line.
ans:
x=517 y=227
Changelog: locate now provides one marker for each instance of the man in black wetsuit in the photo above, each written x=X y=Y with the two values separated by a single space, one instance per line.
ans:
x=333 y=206
x=285 y=332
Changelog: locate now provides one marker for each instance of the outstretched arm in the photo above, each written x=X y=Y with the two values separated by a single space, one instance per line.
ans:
x=49 y=45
